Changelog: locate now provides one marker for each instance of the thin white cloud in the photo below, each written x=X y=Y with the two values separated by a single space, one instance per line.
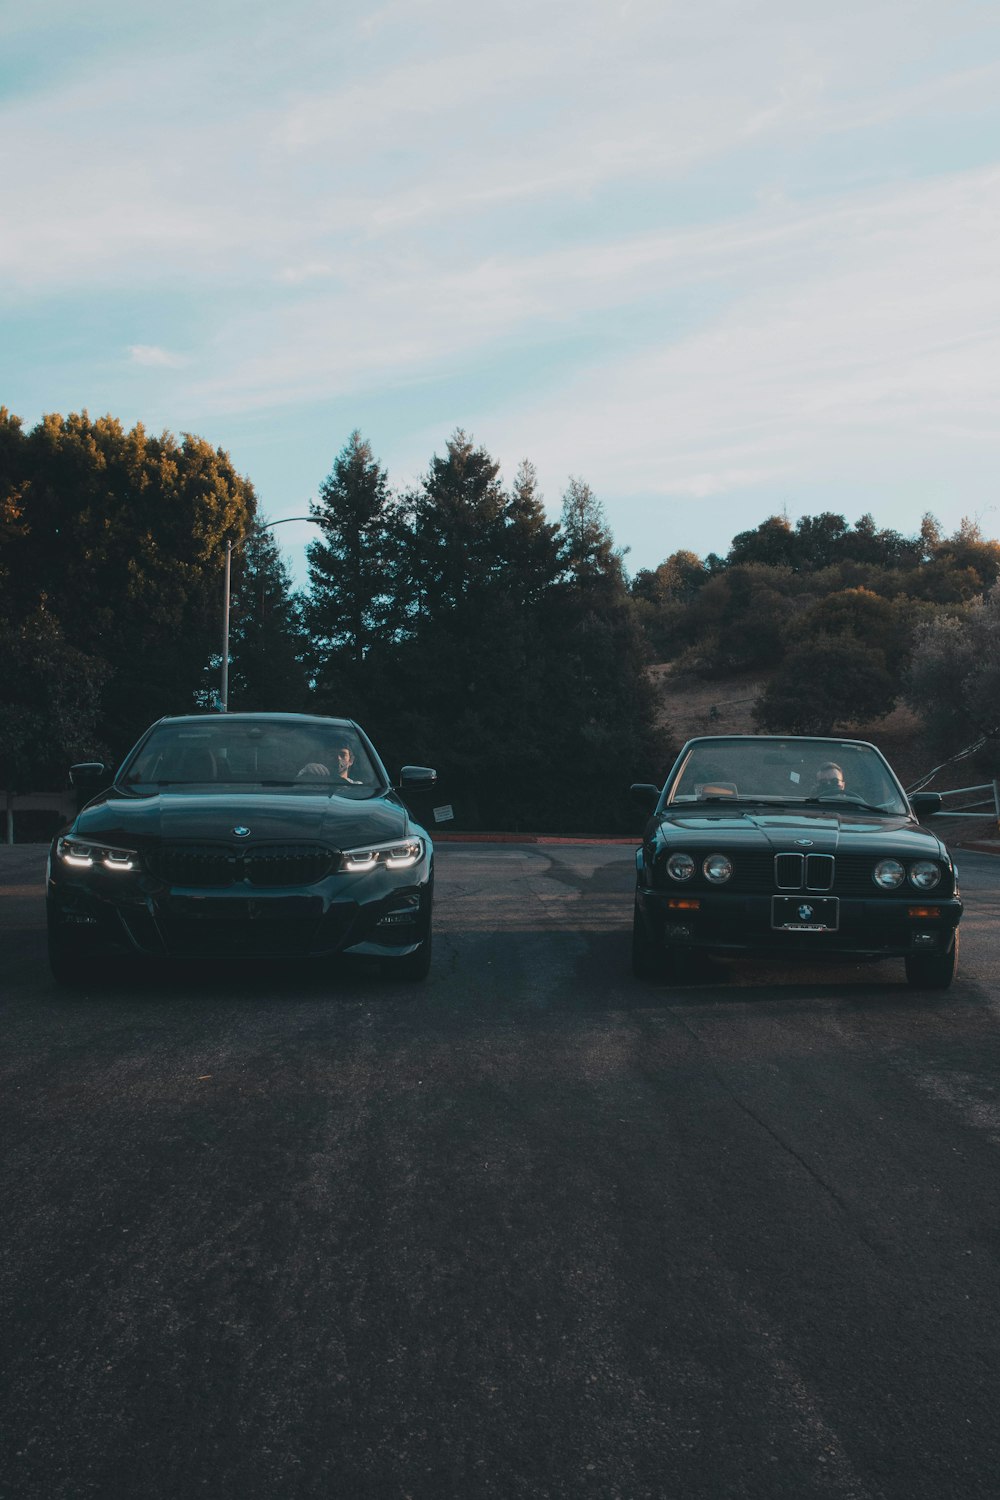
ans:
x=312 y=270
x=741 y=242
x=165 y=167
x=871 y=283
x=153 y=357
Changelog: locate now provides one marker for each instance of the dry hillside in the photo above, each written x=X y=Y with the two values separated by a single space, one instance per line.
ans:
x=691 y=706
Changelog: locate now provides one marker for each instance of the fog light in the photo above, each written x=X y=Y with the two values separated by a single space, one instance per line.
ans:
x=925 y=940
x=677 y=931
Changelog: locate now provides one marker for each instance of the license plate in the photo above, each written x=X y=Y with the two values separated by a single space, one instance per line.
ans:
x=246 y=908
x=805 y=913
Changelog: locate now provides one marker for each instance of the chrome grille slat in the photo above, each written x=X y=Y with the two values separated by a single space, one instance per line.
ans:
x=789 y=872
x=819 y=872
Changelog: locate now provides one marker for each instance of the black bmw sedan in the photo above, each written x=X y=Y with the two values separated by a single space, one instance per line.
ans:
x=792 y=847
x=243 y=835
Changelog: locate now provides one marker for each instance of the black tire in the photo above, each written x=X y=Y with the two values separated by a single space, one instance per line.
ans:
x=932 y=971
x=413 y=966
x=647 y=961
x=70 y=968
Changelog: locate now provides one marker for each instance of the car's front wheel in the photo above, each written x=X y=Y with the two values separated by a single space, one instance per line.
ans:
x=647 y=961
x=932 y=971
x=412 y=966
x=70 y=968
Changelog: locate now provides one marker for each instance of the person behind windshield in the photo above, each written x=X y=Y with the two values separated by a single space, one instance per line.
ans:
x=316 y=769
x=345 y=765
x=829 y=780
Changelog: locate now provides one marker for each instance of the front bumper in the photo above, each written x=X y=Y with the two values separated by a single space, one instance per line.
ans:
x=374 y=913
x=880 y=927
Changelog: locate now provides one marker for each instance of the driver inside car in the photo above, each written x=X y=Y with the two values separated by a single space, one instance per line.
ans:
x=829 y=781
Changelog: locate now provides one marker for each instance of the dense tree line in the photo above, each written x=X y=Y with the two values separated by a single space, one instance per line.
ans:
x=470 y=632
x=111 y=549
x=841 y=622
x=455 y=620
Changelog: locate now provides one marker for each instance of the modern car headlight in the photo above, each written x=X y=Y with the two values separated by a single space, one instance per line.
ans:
x=83 y=854
x=925 y=874
x=401 y=854
x=717 y=868
x=889 y=874
x=680 y=867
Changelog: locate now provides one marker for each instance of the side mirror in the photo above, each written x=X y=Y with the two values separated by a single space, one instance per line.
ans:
x=925 y=803
x=87 y=773
x=645 y=794
x=412 y=777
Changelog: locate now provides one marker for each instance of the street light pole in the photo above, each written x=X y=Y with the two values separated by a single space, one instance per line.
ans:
x=224 y=684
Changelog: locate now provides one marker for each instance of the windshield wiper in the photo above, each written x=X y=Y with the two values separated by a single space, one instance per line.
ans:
x=738 y=801
x=834 y=802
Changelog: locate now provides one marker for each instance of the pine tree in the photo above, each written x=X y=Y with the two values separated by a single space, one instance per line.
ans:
x=267 y=636
x=353 y=570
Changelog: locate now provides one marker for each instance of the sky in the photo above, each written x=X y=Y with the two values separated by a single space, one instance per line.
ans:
x=720 y=260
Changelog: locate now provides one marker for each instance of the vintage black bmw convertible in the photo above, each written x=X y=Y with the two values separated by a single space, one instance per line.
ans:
x=794 y=848
x=243 y=835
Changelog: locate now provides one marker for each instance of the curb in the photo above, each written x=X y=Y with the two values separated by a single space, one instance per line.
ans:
x=526 y=838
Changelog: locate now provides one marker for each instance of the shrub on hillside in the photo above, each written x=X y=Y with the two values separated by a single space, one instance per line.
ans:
x=825 y=682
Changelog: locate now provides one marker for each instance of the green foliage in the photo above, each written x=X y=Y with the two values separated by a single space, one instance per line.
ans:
x=676 y=580
x=458 y=622
x=953 y=681
x=834 y=612
x=516 y=665
x=772 y=544
x=597 y=709
x=125 y=535
x=267 y=639
x=822 y=541
x=457 y=529
x=354 y=569
x=588 y=550
x=826 y=682
x=860 y=615
x=742 y=619
x=50 y=701
x=531 y=543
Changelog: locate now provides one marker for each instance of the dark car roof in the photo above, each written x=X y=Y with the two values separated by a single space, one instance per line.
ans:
x=263 y=718
x=781 y=739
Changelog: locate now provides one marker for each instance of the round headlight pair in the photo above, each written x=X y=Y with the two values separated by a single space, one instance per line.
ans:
x=890 y=874
x=717 y=867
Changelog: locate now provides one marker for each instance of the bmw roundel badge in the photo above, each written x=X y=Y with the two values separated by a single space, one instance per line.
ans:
x=241 y=831
x=805 y=912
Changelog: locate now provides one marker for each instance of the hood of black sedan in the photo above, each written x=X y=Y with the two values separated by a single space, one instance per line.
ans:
x=824 y=830
x=174 y=814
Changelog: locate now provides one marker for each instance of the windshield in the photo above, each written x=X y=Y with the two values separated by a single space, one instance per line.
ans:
x=225 y=752
x=787 y=771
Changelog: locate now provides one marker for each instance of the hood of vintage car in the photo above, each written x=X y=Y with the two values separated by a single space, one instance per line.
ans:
x=828 y=830
x=335 y=820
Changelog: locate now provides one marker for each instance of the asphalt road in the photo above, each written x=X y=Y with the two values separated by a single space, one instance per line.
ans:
x=532 y=1229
